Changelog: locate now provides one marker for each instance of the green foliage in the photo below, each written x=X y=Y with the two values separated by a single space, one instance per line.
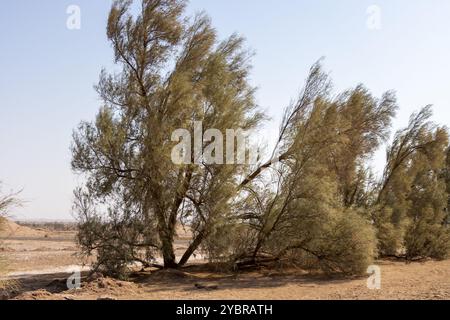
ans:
x=306 y=209
x=312 y=228
x=413 y=195
x=389 y=234
x=347 y=245
x=428 y=234
x=447 y=181
x=426 y=238
x=314 y=201
x=117 y=240
x=174 y=71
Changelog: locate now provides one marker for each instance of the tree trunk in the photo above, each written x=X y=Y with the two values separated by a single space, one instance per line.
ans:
x=194 y=245
x=166 y=237
x=168 y=251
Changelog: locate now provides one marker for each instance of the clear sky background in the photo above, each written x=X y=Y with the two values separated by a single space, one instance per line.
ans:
x=47 y=72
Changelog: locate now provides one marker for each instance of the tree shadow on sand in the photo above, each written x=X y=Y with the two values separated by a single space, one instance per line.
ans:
x=201 y=277
x=191 y=278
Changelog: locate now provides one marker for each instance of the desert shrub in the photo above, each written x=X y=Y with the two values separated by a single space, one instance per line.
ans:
x=389 y=235
x=427 y=240
x=347 y=245
x=428 y=234
x=308 y=226
x=413 y=194
x=7 y=202
x=118 y=239
x=2 y=262
x=227 y=244
x=117 y=245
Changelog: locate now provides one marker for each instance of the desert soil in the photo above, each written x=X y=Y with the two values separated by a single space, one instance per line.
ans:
x=40 y=262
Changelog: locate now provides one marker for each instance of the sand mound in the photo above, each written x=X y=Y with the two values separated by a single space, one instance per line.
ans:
x=108 y=286
x=9 y=228
x=35 y=295
x=100 y=289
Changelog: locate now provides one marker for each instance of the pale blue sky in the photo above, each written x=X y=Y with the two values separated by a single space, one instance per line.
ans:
x=47 y=71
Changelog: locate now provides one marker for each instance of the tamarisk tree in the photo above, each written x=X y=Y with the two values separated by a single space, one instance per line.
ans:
x=411 y=203
x=312 y=201
x=173 y=72
x=302 y=204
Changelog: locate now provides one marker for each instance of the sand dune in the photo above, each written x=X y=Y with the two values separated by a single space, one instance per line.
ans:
x=11 y=229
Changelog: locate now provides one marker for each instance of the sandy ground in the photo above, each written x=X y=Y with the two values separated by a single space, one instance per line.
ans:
x=40 y=262
x=30 y=250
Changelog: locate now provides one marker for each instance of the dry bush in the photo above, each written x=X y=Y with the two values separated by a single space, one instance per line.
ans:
x=389 y=235
x=427 y=240
x=344 y=242
x=2 y=262
x=227 y=244
x=347 y=245
x=6 y=203
x=116 y=242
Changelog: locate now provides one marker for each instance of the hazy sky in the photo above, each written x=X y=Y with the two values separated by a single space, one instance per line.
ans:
x=47 y=71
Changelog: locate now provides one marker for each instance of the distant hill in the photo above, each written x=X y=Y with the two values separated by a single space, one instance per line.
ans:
x=10 y=228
